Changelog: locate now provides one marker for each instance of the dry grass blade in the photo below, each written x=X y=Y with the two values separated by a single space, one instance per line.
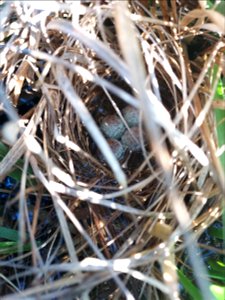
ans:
x=19 y=148
x=149 y=103
x=59 y=211
x=134 y=60
x=102 y=51
x=95 y=198
x=219 y=174
x=90 y=124
x=217 y=18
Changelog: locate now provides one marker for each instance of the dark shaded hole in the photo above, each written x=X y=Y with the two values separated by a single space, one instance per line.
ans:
x=28 y=99
x=199 y=45
x=3 y=118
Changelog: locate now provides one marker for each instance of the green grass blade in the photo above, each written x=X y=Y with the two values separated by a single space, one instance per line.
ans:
x=7 y=248
x=218 y=291
x=189 y=287
x=9 y=234
x=16 y=173
x=217 y=265
x=216 y=232
x=219 y=114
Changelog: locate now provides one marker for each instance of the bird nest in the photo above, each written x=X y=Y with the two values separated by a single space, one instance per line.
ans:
x=118 y=144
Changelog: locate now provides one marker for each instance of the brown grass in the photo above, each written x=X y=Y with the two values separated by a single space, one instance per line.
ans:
x=124 y=224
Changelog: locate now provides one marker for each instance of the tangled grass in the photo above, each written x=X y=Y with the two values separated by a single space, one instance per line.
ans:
x=109 y=229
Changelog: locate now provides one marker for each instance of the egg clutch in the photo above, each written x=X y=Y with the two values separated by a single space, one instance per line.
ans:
x=119 y=136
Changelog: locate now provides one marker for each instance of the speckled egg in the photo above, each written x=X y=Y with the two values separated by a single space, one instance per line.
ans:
x=128 y=141
x=117 y=148
x=112 y=127
x=131 y=115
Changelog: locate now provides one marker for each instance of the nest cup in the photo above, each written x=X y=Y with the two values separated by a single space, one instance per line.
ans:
x=153 y=195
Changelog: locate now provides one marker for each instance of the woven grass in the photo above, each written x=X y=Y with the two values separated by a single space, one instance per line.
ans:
x=116 y=229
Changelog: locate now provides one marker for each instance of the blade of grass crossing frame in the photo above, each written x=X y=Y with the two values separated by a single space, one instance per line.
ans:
x=220 y=121
x=16 y=172
x=189 y=287
x=9 y=234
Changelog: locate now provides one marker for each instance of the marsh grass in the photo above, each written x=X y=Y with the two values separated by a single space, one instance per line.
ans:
x=111 y=230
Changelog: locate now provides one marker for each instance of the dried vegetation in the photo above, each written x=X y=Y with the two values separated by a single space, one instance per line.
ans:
x=103 y=228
